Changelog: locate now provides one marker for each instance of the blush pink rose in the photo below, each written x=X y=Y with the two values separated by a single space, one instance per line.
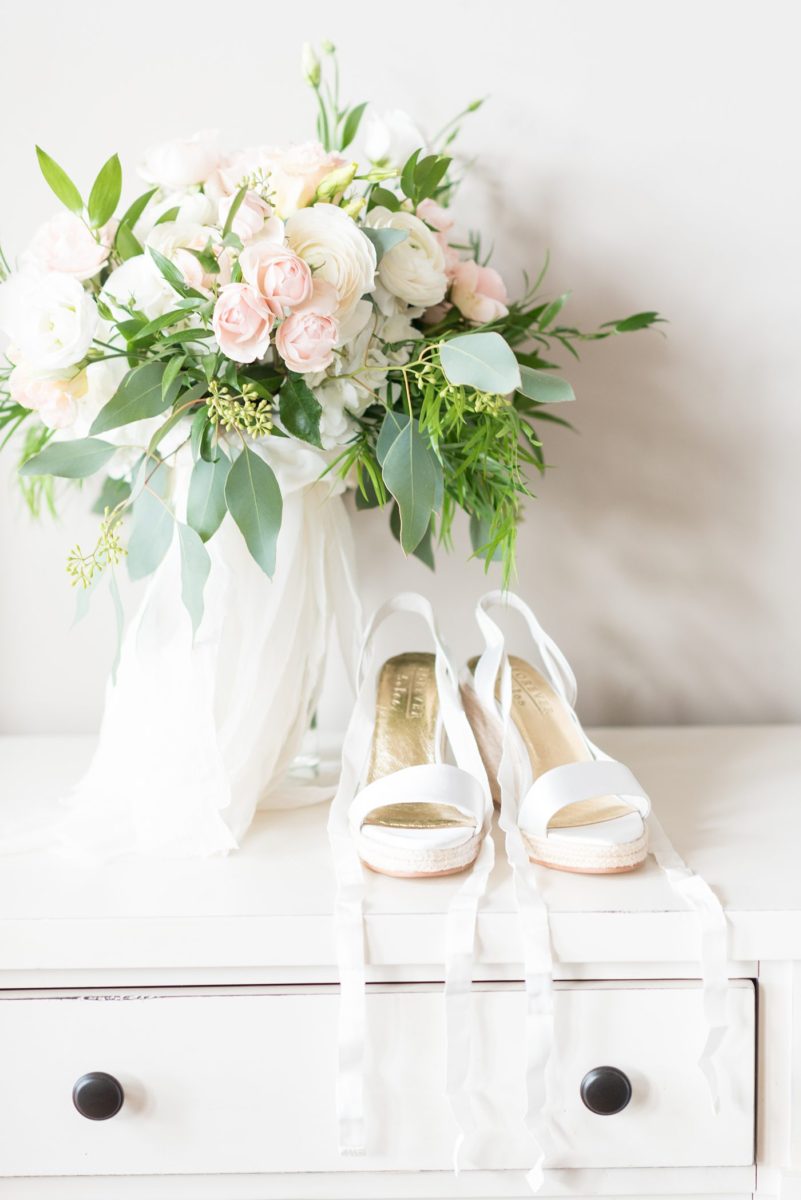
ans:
x=54 y=400
x=242 y=323
x=479 y=293
x=435 y=215
x=306 y=341
x=279 y=275
x=65 y=244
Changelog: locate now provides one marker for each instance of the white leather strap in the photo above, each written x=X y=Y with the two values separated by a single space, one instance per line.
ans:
x=549 y=659
x=349 y=906
x=432 y=783
x=573 y=782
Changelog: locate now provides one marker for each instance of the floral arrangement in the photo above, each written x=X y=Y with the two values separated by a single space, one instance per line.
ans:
x=277 y=293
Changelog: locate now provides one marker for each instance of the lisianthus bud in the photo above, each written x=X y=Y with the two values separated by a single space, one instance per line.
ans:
x=354 y=206
x=335 y=182
x=310 y=65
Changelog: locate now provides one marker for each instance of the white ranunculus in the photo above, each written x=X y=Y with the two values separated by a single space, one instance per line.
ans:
x=139 y=284
x=48 y=317
x=336 y=250
x=338 y=398
x=183 y=162
x=390 y=137
x=414 y=269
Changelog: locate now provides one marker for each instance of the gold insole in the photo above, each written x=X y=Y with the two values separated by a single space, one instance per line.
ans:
x=405 y=736
x=551 y=739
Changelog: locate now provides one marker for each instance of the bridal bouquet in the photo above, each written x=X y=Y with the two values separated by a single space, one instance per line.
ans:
x=299 y=295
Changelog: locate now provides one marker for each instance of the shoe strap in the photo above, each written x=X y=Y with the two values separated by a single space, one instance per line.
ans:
x=576 y=781
x=428 y=783
x=550 y=659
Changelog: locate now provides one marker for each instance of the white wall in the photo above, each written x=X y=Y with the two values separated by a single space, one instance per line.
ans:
x=653 y=147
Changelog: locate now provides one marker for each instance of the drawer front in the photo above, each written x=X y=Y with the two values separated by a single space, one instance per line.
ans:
x=243 y=1081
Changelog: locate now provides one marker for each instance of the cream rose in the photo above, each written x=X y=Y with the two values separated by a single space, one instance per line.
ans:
x=336 y=250
x=138 y=284
x=181 y=163
x=65 y=244
x=479 y=293
x=242 y=323
x=277 y=274
x=414 y=269
x=48 y=317
x=291 y=173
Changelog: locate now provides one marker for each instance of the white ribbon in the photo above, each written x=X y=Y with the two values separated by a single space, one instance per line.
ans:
x=349 y=905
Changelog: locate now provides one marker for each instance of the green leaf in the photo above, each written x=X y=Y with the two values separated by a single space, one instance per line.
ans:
x=552 y=310
x=428 y=174
x=70 y=460
x=480 y=538
x=407 y=174
x=152 y=529
x=171 y=372
x=205 y=506
x=253 y=498
x=173 y=276
x=638 y=321
x=351 y=126
x=384 y=239
x=195 y=567
x=544 y=387
x=233 y=210
x=393 y=424
x=300 y=410
x=385 y=198
x=425 y=550
x=158 y=323
x=135 y=210
x=410 y=472
x=169 y=215
x=140 y=395
x=59 y=182
x=481 y=360
x=126 y=244
x=202 y=436
x=112 y=493
x=105 y=194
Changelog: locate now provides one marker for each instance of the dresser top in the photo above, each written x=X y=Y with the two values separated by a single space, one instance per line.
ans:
x=728 y=798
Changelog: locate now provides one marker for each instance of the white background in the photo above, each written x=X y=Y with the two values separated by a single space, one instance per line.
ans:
x=653 y=148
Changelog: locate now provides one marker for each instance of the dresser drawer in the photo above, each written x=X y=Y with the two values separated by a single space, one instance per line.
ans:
x=228 y=1081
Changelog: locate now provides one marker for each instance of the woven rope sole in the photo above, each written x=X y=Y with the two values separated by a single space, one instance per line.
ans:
x=586 y=857
x=405 y=862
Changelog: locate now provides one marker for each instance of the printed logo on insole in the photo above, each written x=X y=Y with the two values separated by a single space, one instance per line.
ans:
x=409 y=693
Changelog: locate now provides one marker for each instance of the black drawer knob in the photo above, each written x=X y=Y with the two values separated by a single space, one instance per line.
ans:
x=98 y=1096
x=605 y=1091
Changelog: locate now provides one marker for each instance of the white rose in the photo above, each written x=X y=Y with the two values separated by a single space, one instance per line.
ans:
x=390 y=137
x=48 y=317
x=65 y=244
x=194 y=207
x=179 y=164
x=336 y=250
x=414 y=269
x=139 y=284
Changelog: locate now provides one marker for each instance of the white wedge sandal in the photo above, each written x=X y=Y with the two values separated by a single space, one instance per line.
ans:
x=580 y=810
x=403 y=809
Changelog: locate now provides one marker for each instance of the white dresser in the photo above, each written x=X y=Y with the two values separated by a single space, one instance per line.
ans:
x=199 y=998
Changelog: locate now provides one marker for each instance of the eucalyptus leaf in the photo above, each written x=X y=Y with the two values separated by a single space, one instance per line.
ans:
x=84 y=598
x=300 y=410
x=481 y=360
x=206 y=506
x=112 y=493
x=105 y=194
x=425 y=550
x=140 y=395
x=70 y=460
x=544 y=387
x=410 y=472
x=171 y=372
x=384 y=239
x=393 y=424
x=59 y=182
x=152 y=528
x=253 y=498
x=195 y=568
